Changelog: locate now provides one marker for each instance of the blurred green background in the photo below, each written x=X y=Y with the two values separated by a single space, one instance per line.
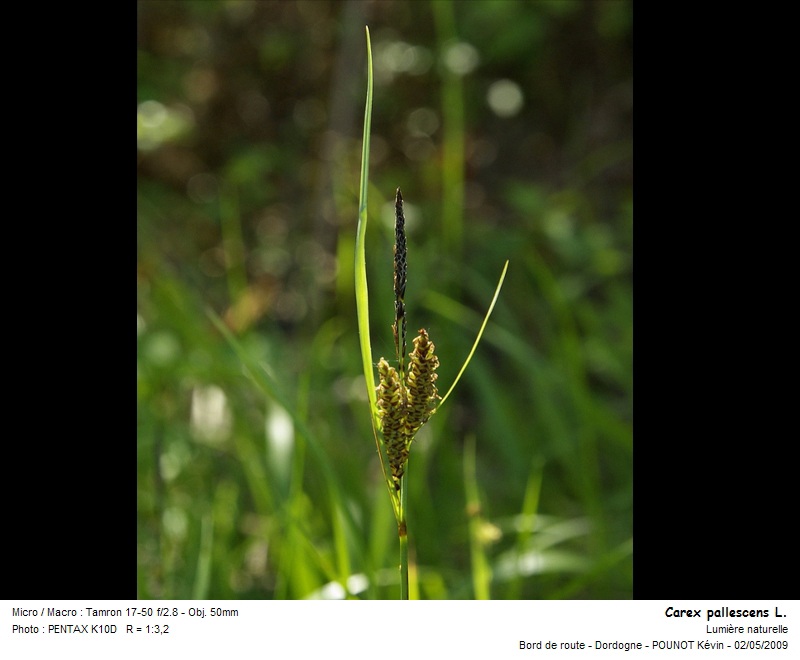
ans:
x=507 y=124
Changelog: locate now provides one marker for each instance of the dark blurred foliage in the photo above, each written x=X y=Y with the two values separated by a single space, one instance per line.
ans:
x=507 y=124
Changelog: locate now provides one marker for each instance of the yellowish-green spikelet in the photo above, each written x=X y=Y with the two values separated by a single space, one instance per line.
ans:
x=391 y=410
x=421 y=384
x=403 y=409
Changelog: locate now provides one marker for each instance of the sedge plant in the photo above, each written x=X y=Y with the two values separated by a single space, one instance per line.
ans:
x=406 y=394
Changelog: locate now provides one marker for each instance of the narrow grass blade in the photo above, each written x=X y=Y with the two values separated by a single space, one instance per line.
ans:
x=204 y=559
x=530 y=509
x=362 y=293
x=480 y=334
x=265 y=381
x=362 y=297
x=481 y=571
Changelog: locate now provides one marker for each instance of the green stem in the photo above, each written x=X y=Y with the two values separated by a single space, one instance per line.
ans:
x=453 y=141
x=231 y=227
x=402 y=533
x=481 y=570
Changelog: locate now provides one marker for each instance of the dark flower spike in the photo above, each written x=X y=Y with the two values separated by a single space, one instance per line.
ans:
x=400 y=270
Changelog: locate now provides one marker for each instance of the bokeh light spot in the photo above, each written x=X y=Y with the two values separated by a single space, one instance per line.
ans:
x=156 y=123
x=505 y=98
x=210 y=414
x=422 y=122
x=461 y=58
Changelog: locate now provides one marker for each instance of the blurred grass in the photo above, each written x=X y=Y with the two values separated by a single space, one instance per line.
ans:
x=258 y=475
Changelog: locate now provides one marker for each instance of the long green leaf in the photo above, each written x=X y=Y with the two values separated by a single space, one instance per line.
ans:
x=362 y=293
x=362 y=296
x=480 y=333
